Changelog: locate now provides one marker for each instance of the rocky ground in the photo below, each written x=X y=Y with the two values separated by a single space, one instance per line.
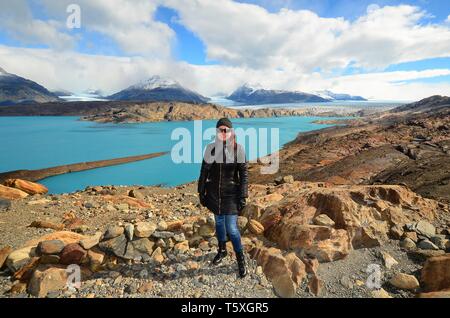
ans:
x=406 y=146
x=329 y=227
x=190 y=273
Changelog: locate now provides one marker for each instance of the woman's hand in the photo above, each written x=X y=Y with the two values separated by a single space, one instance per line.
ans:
x=241 y=204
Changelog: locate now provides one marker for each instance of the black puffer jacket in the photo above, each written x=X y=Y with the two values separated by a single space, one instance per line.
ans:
x=223 y=182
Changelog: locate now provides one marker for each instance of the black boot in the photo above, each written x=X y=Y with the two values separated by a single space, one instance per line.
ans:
x=221 y=254
x=241 y=264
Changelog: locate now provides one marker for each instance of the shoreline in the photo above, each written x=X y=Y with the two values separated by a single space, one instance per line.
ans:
x=139 y=112
x=40 y=174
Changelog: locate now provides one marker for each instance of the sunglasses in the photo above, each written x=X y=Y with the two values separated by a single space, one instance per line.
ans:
x=224 y=130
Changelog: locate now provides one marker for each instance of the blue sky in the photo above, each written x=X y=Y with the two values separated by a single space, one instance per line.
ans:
x=376 y=48
x=351 y=9
x=190 y=48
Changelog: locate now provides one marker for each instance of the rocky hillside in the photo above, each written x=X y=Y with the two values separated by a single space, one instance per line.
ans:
x=18 y=90
x=184 y=112
x=301 y=239
x=131 y=112
x=409 y=145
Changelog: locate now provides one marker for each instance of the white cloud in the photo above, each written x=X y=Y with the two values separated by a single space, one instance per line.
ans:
x=17 y=20
x=248 y=35
x=129 y=23
x=372 y=7
x=77 y=72
x=403 y=85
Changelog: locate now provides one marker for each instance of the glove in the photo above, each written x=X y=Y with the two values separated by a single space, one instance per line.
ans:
x=202 y=199
x=241 y=204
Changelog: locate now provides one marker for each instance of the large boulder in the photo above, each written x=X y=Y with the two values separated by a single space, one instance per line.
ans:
x=20 y=257
x=113 y=231
x=140 y=249
x=368 y=212
x=333 y=248
x=72 y=254
x=144 y=229
x=404 y=281
x=11 y=193
x=4 y=253
x=65 y=236
x=285 y=272
x=96 y=258
x=26 y=186
x=255 y=227
x=321 y=242
x=435 y=274
x=47 y=279
x=91 y=241
x=271 y=216
x=362 y=215
x=50 y=247
x=425 y=228
x=116 y=246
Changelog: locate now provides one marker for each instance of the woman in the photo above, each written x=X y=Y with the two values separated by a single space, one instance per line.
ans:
x=223 y=189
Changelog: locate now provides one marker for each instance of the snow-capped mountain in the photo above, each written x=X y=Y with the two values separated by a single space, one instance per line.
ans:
x=338 y=96
x=18 y=90
x=255 y=95
x=158 y=88
x=156 y=82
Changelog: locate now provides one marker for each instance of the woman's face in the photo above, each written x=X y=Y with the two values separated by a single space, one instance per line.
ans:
x=223 y=133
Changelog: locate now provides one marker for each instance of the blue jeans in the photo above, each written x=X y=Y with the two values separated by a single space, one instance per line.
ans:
x=227 y=224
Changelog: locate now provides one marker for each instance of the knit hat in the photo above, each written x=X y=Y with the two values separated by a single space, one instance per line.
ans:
x=224 y=122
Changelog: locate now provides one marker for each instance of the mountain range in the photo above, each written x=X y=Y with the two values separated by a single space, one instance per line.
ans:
x=255 y=95
x=339 y=96
x=17 y=90
x=159 y=89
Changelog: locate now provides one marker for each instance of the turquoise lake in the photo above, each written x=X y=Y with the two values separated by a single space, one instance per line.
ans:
x=42 y=142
